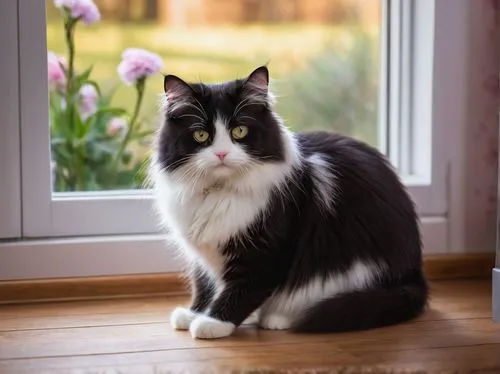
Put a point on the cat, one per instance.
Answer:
(307, 232)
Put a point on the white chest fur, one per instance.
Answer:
(202, 224)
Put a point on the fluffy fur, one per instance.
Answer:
(311, 231)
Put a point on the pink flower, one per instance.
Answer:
(116, 125)
(138, 63)
(85, 10)
(57, 77)
(88, 97)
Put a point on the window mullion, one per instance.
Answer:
(400, 68)
(394, 79)
(405, 124)
(384, 74)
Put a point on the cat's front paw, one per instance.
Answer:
(275, 321)
(181, 318)
(204, 327)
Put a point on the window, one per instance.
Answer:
(316, 49)
(412, 142)
(370, 69)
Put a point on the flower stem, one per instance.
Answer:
(80, 182)
(140, 86)
(69, 27)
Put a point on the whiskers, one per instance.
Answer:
(245, 168)
(180, 161)
(243, 118)
(243, 104)
(189, 176)
(169, 106)
(192, 175)
(184, 173)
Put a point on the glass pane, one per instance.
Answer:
(323, 56)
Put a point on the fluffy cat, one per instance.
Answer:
(311, 232)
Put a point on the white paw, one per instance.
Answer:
(204, 327)
(181, 318)
(252, 319)
(275, 322)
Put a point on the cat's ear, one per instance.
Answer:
(175, 87)
(258, 80)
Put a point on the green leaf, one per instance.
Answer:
(63, 68)
(84, 76)
(95, 137)
(126, 157)
(126, 179)
(62, 156)
(116, 112)
(55, 141)
(80, 127)
(142, 134)
(104, 147)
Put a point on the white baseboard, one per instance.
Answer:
(121, 255)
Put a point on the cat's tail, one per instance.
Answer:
(366, 309)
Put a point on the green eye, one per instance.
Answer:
(201, 136)
(239, 132)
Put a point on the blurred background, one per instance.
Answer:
(323, 55)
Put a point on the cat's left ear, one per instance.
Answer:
(258, 80)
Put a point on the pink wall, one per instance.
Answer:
(481, 150)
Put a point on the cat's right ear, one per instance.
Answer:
(175, 87)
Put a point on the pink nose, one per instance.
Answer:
(221, 154)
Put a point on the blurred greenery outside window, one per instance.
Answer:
(323, 56)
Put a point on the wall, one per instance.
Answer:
(481, 137)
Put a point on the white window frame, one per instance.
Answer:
(10, 168)
(412, 103)
(44, 214)
(117, 233)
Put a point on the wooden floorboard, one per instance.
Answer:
(134, 336)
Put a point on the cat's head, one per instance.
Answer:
(219, 132)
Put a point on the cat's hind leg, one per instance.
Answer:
(276, 313)
(252, 319)
(275, 321)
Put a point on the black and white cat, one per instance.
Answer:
(311, 232)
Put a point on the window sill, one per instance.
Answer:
(126, 254)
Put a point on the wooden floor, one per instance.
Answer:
(134, 336)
